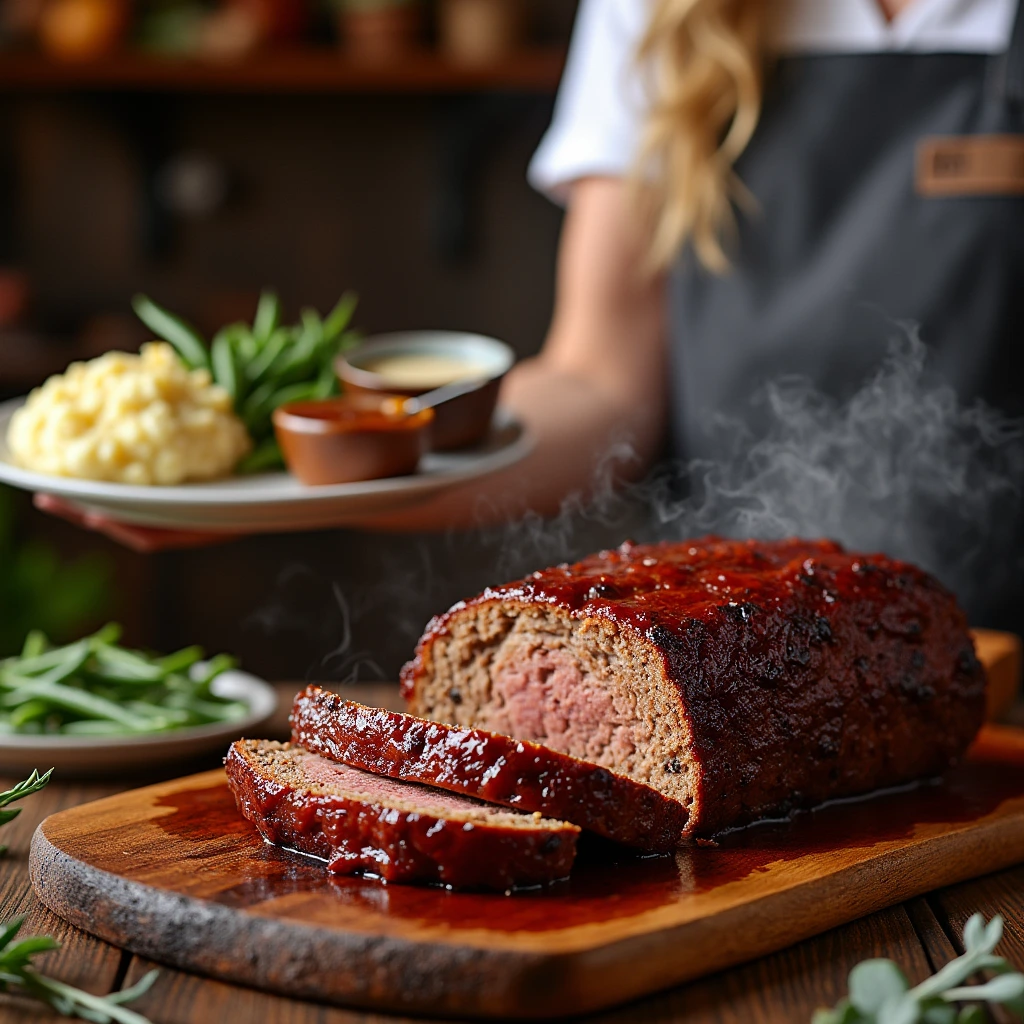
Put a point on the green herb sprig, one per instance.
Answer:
(93, 687)
(18, 975)
(264, 364)
(880, 993)
(26, 787)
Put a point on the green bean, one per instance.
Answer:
(109, 634)
(300, 362)
(326, 358)
(256, 364)
(172, 329)
(300, 367)
(252, 411)
(268, 316)
(205, 710)
(266, 455)
(47, 662)
(115, 664)
(218, 712)
(277, 343)
(214, 667)
(222, 359)
(180, 660)
(244, 350)
(326, 383)
(30, 711)
(79, 701)
(262, 414)
(158, 714)
(35, 644)
(244, 344)
(117, 690)
(70, 659)
(339, 318)
(311, 322)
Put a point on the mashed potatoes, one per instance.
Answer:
(141, 419)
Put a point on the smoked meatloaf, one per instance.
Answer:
(400, 831)
(486, 766)
(743, 679)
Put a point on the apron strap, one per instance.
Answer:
(1013, 74)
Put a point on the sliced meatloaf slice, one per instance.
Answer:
(487, 766)
(742, 679)
(400, 831)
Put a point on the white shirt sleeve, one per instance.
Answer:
(599, 110)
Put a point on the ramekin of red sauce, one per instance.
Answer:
(351, 438)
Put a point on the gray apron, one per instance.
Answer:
(863, 223)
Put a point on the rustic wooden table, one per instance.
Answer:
(921, 935)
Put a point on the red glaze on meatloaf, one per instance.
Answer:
(487, 766)
(399, 831)
(744, 679)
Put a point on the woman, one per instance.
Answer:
(755, 189)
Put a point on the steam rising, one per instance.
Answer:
(316, 608)
(900, 467)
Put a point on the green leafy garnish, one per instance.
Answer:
(27, 787)
(262, 365)
(18, 975)
(879, 992)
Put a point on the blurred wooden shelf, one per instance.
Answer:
(310, 71)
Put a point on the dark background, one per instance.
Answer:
(417, 200)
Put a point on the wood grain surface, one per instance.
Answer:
(173, 873)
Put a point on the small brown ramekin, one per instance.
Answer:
(343, 440)
(461, 421)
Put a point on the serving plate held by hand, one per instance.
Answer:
(102, 755)
(272, 502)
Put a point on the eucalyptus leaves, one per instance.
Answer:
(881, 994)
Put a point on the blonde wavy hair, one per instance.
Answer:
(703, 67)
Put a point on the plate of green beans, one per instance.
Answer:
(93, 706)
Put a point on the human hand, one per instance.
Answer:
(144, 539)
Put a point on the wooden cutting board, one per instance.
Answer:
(173, 873)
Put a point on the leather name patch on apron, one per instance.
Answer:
(971, 165)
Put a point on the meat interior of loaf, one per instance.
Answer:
(580, 686)
(325, 776)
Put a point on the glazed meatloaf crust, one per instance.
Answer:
(487, 766)
(399, 831)
(743, 679)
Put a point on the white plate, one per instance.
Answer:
(99, 755)
(271, 502)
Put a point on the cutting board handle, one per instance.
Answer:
(1000, 653)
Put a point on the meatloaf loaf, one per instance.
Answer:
(486, 766)
(399, 831)
(743, 679)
